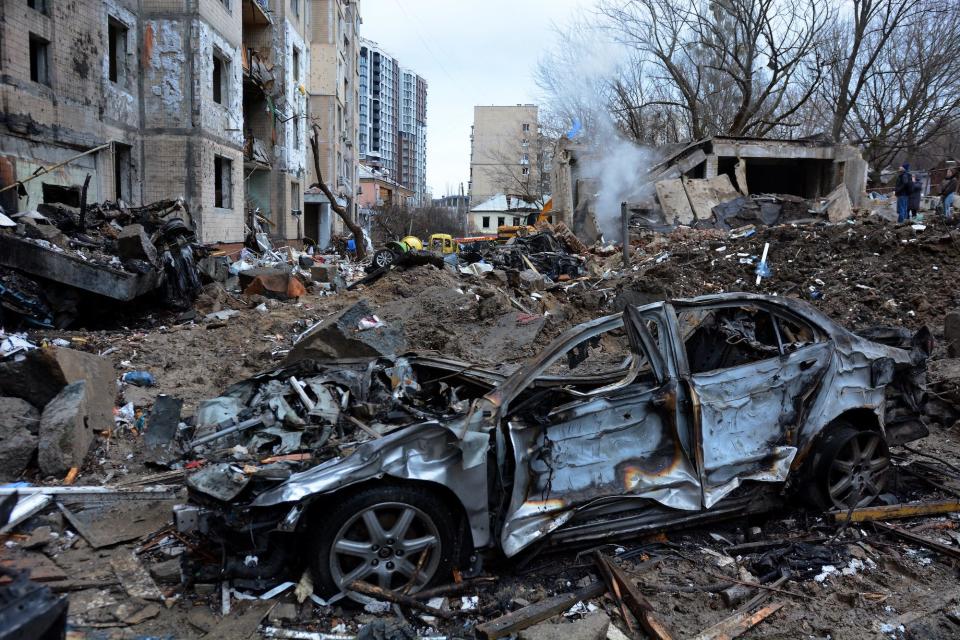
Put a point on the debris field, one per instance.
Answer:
(110, 430)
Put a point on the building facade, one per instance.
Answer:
(393, 120)
(207, 100)
(506, 153)
(334, 91)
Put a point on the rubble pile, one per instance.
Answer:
(57, 253)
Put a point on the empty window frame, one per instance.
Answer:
(122, 169)
(294, 197)
(525, 171)
(295, 63)
(221, 77)
(726, 337)
(117, 49)
(222, 182)
(295, 7)
(39, 60)
(38, 5)
(485, 222)
(526, 127)
(501, 221)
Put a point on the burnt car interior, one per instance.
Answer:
(730, 336)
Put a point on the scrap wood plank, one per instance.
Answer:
(912, 537)
(134, 578)
(538, 611)
(639, 605)
(894, 511)
(42, 568)
(738, 624)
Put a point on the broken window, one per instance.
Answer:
(516, 221)
(526, 127)
(221, 78)
(295, 63)
(39, 5)
(222, 182)
(794, 335)
(117, 49)
(122, 183)
(226, 4)
(501, 221)
(725, 337)
(525, 171)
(295, 198)
(485, 222)
(39, 60)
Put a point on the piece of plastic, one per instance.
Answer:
(139, 378)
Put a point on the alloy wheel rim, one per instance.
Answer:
(858, 471)
(391, 544)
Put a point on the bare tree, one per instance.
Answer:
(343, 212)
(392, 222)
(912, 93)
(854, 47)
(731, 66)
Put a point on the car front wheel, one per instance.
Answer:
(395, 537)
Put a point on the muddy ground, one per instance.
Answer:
(863, 274)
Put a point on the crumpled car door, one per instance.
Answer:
(749, 417)
(620, 442)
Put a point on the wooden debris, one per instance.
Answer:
(924, 542)
(761, 597)
(738, 624)
(454, 588)
(368, 589)
(41, 568)
(71, 475)
(638, 604)
(895, 511)
(538, 612)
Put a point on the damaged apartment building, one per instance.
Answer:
(205, 100)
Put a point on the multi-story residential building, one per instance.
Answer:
(393, 120)
(335, 100)
(201, 99)
(507, 154)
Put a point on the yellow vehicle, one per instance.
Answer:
(443, 243)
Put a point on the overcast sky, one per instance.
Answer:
(470, 53)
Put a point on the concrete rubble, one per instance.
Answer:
(98, 464)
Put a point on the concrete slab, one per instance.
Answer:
(673, 200)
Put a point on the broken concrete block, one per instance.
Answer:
(166, 572)
(592, 627)
(247, 277)
(673, 201)
(214, 269)
(838, 204)
(704, 194)
(41, 375)
(341, 337)
(17, 413)
(284, 612)
(133, 242)
(66, 433)
(17, 446)
(497, 276)
(324, 273)
(951, 333)
(530, 280)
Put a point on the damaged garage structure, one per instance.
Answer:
(691, 179)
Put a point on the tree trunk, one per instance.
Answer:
(344, 213)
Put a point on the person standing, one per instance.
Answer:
(902, 190)
(916, 193)
(948, 190)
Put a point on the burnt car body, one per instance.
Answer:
(668, 414)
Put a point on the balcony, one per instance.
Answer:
(255, 13)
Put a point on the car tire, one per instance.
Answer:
(383, 258)
(345, 544)
(850, 467)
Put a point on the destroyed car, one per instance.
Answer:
(394, 470)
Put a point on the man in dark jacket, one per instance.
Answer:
(948, 190)
(916, 195)
(903, 189)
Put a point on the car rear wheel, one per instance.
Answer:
(853, 467)
(394, 537)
